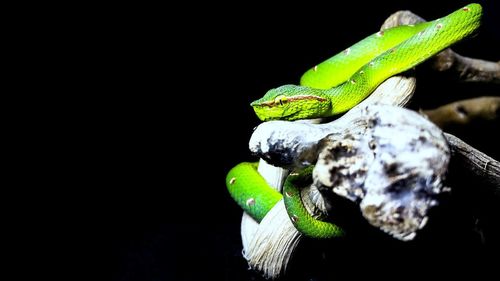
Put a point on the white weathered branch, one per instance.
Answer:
(389, 160)
(388, 151)
(394, 168)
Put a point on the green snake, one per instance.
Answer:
(333, 87)
(251, 191)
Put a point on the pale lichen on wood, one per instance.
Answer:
(395, 180)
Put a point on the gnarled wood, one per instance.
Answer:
(297, 144)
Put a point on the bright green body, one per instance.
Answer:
(343, 81)
(335, 86)
(300, 217)
(242, 182)
(337, 69)
(251, 191)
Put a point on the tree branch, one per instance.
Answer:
(481, 165)
(465, 111)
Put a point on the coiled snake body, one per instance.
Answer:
(335, 86)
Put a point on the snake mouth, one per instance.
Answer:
(272, 103)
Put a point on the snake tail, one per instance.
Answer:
(300, 217)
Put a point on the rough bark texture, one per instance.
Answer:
(481, 165)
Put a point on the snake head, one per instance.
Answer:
(291, 102)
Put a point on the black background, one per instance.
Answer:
(166, 213)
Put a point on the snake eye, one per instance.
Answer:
(281, 99)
